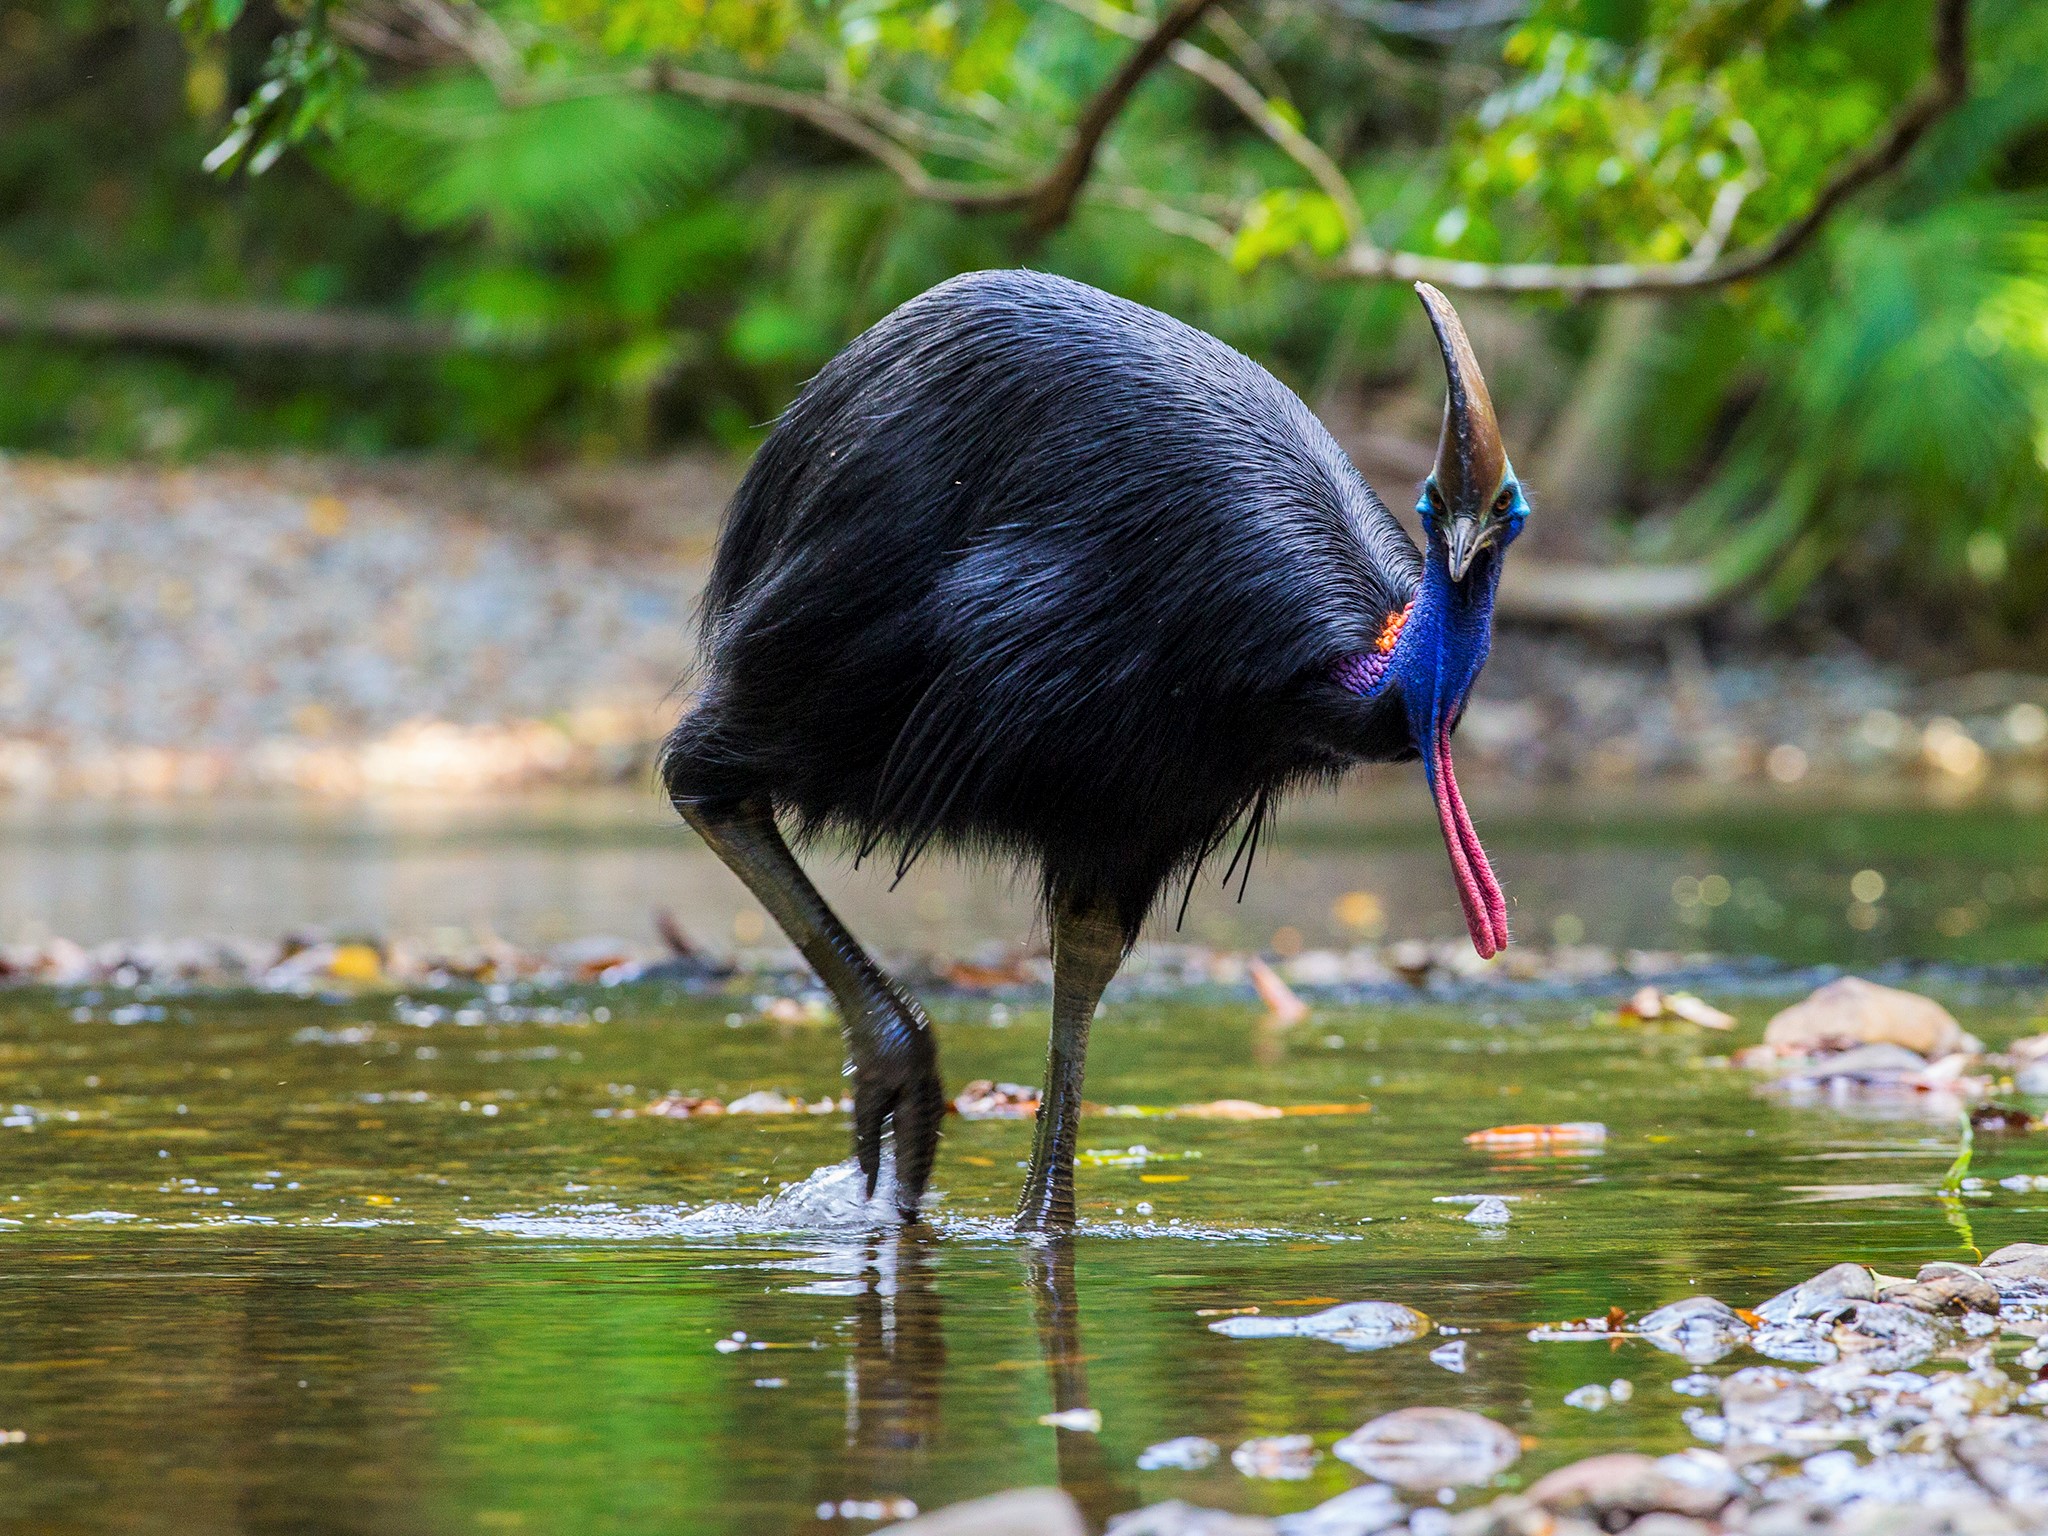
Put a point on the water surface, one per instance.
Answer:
(300, 1264)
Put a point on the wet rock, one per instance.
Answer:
(2019, 1271)
(1945, 1289)
(1356, 1325)
(1592, 1397)
(1851, 1012)
(1630, 1484)
(1188, 1453)
(1825, 1294)
(1176, 1518)
(1802, 1343)
(1019, 1512)
(1769, 1404)
(1081, 1421)
(1450, 1356)
(1885, 1336)
(1490, 1212)
(1355, 1512)
(1281, 1458)
(1957, 1397)
(1430, 1448)
(1699, 1329)
(2010, 1457)
(1880, 1066)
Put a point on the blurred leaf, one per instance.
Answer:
(583, 170)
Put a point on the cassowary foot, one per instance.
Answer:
(1048, 1201)
(896, 1087)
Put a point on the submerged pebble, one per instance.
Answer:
(1355, 1512)
(1279, 1458)
(1491, 1212)
(1356, 1325)
(1187, 1453)
(1430, 1448)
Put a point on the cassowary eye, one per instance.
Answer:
(1504, 500)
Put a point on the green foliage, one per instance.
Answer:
(672, 268)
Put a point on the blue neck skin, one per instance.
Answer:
(1449, 631)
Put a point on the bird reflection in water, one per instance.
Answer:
(897, 1366)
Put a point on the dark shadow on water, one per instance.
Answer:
(1084, 1467)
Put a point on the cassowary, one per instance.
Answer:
(1031, 571)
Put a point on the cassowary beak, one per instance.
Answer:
(1471, 464)
(1461, 544)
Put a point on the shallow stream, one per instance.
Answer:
(358, 1264)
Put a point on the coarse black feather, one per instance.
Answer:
(1033, 571)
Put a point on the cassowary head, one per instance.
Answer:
(1471, 502)
(1472, 508)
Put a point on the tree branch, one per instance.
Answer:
(253, 327)
(1707, 266)
(1249, 100)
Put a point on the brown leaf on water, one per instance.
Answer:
(986, 1099)
(1283, 1005)
(1650, 1003)
(1360, 1108)
(1570, 1133)
(684, 1106)
(1228, 1109)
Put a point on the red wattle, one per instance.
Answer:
(1486, 910)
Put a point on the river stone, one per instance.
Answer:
(1356, 1325)
(1188, 1453)
(1884, 1336)
(1699, 1328)
(1826, 1292)
(2010, 1457)
(1281, 1458)
(1945, 1289)
(1852, 1011)
(1765, 1401)
(1355, 1512)
(1177, 1518)
(1803, 1343)
(2019, 1270)
(1020, 1512)
(1630, 1483)
(1430, 1448)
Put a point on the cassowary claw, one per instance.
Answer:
(896, 1086)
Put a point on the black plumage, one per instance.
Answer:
(1032, 570)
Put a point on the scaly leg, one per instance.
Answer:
(891, 1055)
(1087, 947)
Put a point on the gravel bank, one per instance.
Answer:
(342, 628)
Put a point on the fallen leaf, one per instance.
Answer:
(1162, 1178)
(986, 1099)
(1228, 1109)
(1570, 1133)
(1697, 1011)
(355, 962)
(1283, 1005)
(1360, 1108)
(765, 1101)
(684, 1106)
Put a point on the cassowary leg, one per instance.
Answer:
(1087, 947)
(891, 1055)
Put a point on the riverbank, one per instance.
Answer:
(347, 629)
